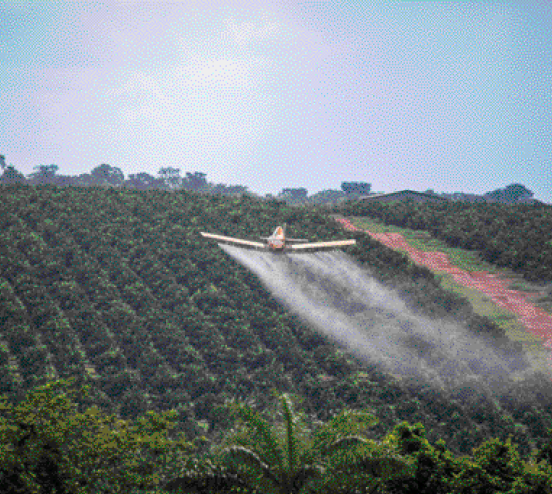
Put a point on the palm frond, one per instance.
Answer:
(368, 474)
(348, 443)
(305, 474)
(264, 442)
(289, 422)
(250, 459)
(354, 456)
(345, 424)
(219, 481)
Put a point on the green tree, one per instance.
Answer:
(170, 177)
(143, 181)
(326, 196)
(108, 175)
(434, 466)
(494, 468)
(360, 188)
(228, 189)
(44, 174)
(510, 194)
(12, 176)
(289, 457)
(195, 181)
(47, 446)
(294, 195)
(536, 479)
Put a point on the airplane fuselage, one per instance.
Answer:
(277, 241)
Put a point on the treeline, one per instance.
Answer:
(104, 175)
(168, 178)
(48, 444)
(515, 236)
(116, 288)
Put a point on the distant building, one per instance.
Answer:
(403, 195)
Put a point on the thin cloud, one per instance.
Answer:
(221, 72)
(245, 33)
(344, 88)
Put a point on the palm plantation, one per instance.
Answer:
(288, 457)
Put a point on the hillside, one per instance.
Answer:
(517, 236)
(116, 288)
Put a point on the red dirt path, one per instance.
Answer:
(534, 319)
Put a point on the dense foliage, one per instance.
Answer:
(116, 288)
(286, 455)
(48, 446)
(358, 188)
(517, 236)
(510, 194)
(282, 453)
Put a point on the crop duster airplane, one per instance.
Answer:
(278, 242)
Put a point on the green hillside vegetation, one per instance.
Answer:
(116, 289)
(516, 236)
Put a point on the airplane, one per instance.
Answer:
(278, 242)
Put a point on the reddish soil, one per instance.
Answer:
(535, 320)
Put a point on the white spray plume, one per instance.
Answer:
(339, 298)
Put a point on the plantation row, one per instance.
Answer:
(516, 236)
(117, 289)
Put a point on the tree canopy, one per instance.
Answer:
(360, 188)
(47, 445)
(105, 174)
(510, 194)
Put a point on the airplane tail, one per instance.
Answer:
(284, 227)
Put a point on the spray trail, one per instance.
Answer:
(340, 299)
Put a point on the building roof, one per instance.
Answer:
(402, 192)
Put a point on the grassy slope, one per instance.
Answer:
(470, 261)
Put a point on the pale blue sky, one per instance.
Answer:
(450, 96)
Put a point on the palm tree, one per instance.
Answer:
(288, 458)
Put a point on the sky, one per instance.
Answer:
(448, 96)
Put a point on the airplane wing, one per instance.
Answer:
(322, 245)
(222, 238)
